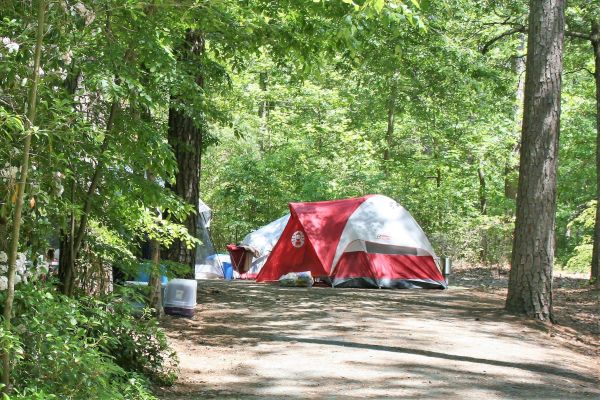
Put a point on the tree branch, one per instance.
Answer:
(579, 70)
(517, 29)
(523, 29)
(579, 35)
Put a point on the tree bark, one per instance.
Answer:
(391, 114)
(595, 270)
(482, 191)
(185, 138)
(530, 281)
(263, 113)
(14, 243)
(483, 210)
(4, 222)
(155, 283)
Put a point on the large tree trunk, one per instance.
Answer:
(185, 137)
(595, 273)
(530, 281)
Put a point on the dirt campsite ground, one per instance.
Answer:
(255, 341)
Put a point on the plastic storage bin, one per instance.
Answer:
(180, 297)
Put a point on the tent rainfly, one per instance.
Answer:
(368, 242)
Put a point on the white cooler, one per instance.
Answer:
(180, 297)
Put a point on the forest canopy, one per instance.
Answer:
(119, 116)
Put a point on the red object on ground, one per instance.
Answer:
(241, 260)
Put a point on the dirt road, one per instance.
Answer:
(253, 341)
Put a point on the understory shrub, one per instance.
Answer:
(487, 240)
(578, 242)
(86, 348)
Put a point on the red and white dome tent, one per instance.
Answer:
(369, 242)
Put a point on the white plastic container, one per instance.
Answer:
(180, 297)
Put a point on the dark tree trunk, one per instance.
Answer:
(391, 114)
(482, 191)
(4, 222)
(483, 210)
(66, 263)
(595, 272)
(530, 281)
(185, 138)
(263, 113)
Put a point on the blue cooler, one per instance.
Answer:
(227, 271)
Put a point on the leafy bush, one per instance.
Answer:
(487, 239)
(580, 234)
(86, 348)
(581, 258)
(137, 344)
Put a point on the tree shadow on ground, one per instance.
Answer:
(268, 322)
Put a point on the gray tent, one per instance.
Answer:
(263, 240)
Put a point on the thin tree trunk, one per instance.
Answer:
(66, 264)
(14, 244)
(482, 191)
(76, 236)
(530, 281)
(595, 271)
(4, 224)
(155, 295)
(98, 171)
(263, 113)
(483, 210)
(67, 261)
(391, 114)
(155, 280)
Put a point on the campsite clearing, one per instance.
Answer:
(250, 340)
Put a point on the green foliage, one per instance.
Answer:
(296, 104)
(581, 258)
(86, 348)
(580, 233)
(326, 136)
(486, 239)
(137, 344)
